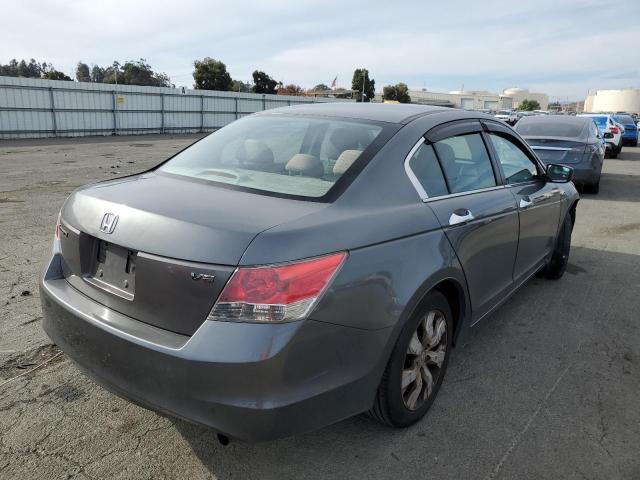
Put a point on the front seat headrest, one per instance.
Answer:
(254, 154)
(345, 160)
(305, 165)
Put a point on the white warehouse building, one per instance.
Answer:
(623, 100)
(518, 95)
(477, 99)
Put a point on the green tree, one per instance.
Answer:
(529, 105)
(32, 69)
(137, 72)
(321, 87)
(240, 86)
(48, 72)
(56, 75)
(291, 89)
(211, 74)
(82, 72)
(263, 83)
(398, 92)
(97, 74)
(362, 83)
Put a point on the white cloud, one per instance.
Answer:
(564, 47)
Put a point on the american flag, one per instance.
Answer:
(333, 84)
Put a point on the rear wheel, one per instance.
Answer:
(613, 153)
(560, 256)
(417, 365)
(593, 187)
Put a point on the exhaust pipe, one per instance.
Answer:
(223, 439)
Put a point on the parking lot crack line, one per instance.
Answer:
(521, 433)
(31, 370)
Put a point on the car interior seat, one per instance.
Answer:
(255, 155)
(305, 165)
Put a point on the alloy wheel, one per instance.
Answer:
(423, 360)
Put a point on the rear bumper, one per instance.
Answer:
(585, 174)
(249, 381)
(585, 177)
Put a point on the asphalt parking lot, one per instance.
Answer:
(547, 388)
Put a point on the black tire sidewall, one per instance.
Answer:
(400, 415)
(558, 264)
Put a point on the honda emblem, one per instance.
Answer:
(109, 222)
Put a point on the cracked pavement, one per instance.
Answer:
(547, 388)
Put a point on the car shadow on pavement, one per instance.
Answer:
(629, 154)
(545, 385)
(617, 187)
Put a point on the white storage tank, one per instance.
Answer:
(623, 100)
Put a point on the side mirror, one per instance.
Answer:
(559, 173)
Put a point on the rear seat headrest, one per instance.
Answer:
(305, 165)
(345, 160)
(255, 154)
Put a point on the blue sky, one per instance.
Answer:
(560, 47)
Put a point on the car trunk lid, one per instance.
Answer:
(564, 150)
(172, 247)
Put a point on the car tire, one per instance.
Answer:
(634, 143)
(593, 187)
(560, 256)
(613, 153)
(417, 364)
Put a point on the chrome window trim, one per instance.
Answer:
(460, 194)
(412, 177)
(420, 190)
(557, 149)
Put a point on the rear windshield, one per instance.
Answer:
(625, 119)
(550, 127)
(280, 154)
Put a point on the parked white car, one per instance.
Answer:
(507, 116)
(610, 130)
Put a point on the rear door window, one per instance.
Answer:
(427, 171)
(465, 163)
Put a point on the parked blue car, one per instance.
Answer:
(630, 134)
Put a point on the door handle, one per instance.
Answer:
(460, 216)
(525, 202)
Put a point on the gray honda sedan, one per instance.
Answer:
(303, 265)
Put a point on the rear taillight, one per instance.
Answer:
(591, 148)
(276, 293)
(614, 130)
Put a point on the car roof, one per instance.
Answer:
(383, 112)
(569, 119)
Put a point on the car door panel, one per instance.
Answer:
(539, 211)
(537, 199)
(486, 246)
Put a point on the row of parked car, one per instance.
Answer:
(581, 141)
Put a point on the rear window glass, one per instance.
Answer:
(466, 163)
(600, 121)
(426, 169)
(625, 119)
(550, 127)
(287, 155)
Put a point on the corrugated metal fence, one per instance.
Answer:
(32, 108)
